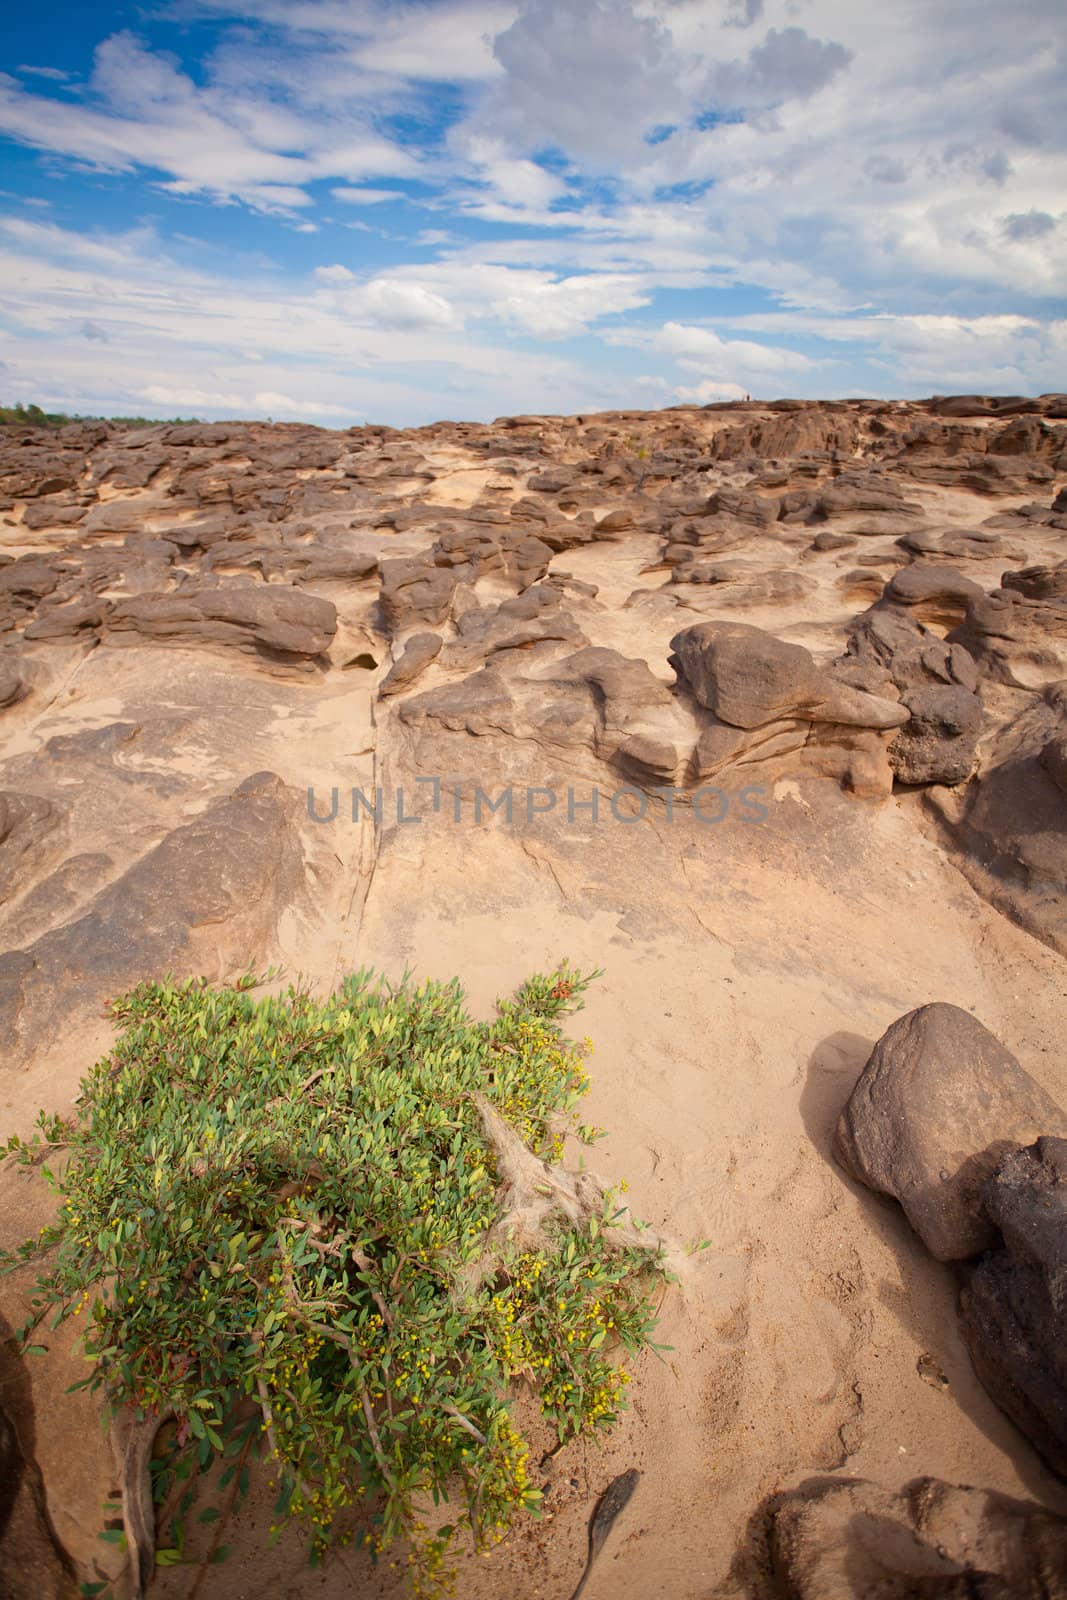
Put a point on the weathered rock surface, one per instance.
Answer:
(1013, 1308)
(493, 606)
(848, 1539)
(1010, 825)
(234, 868)
(938, 1104)
(273, 619)
(418, 652)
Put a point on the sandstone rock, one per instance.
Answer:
(1039, 583)
(12, 681)
(890, 652)
(31, 828)
(33, 1566)
(74, 619)
(938, 745)
(848, 1539)
(230, 871)
(416, 656)
(745, 676)
(1013, 1308)
(937, 1105)
(1010, 826)
(933, 594)
(414, 591)
(269, 620)
(1017, 640)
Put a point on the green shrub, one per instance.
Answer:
(337, 1217)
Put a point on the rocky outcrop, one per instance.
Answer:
(12, 681)
(1013, 1308)
(1017, 640)
(939, 1102)
(31, 829)
(418, 652)
(33, 1566)
(782, 701)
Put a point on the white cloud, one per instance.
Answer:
(53, 74)
(144, 112)
(726, 368)
(366, 197)
(394, 303)
(335, 274)
(392, 349)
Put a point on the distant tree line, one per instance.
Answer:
(32, 416)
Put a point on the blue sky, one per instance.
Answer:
(350, 210)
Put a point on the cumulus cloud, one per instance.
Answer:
(393, 303)
(142, 111)
(589, 79)
(726, 367)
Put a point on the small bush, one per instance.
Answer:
(339, 1213)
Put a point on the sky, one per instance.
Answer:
(399, 211)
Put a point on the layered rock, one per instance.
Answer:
(271, 620)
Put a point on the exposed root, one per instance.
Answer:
(531, 1192)
(132, 1440)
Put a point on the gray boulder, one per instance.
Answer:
(1013, 1309)
(745, 676)
(936, 1107)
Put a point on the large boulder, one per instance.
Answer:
(415, 591)
(745, 676)
(12, 681)
(890, 652)
(939, 1102)
(939, 742)
(1013, 1310)
(849, 1539)
(1017, 639)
